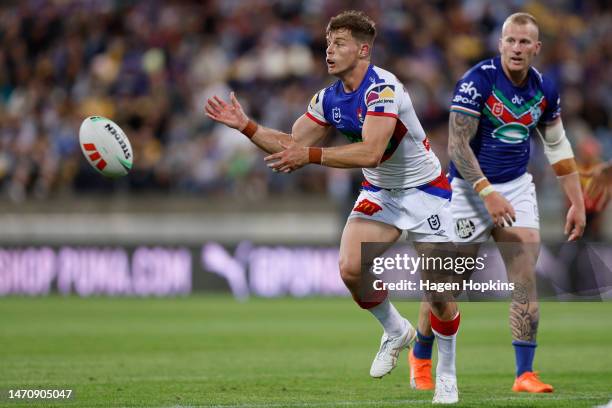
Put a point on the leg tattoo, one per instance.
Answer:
(524, 314)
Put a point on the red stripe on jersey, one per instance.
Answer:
(440, 182)
(315, 120)
(398, 134)
(391, 115)
(507, 117)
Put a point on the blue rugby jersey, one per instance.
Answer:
(408, 160)
(508, 116)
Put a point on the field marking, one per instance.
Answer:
(384, 403)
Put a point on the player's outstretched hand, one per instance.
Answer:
(291, 158)
(575, 223)
(231, 115)
(500, 209)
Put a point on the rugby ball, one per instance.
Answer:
(105, 146)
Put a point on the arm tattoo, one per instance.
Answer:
(524, 315)
(462, 128)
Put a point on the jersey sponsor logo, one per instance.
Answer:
(380, 95)
(465, 100)
(464, 228)
(336, 114)
(434, 222)
(468, 88)
(367, 207)
(485, 67)
(518, 100)
(511, 133)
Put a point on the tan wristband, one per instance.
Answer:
(565, 167)
(481, 184)
(314, 155)
(250, 129)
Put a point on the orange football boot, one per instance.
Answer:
(529, 382)
(420, 372)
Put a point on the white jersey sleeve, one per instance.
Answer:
(382, 99)
(315, 109)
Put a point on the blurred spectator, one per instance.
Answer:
(149, 65)
(588, 157)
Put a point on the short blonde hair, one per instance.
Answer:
(522, 19)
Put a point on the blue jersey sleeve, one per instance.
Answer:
(553, 102)
(471, 91)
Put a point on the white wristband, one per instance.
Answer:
(486, 191)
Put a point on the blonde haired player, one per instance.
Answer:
(497, 107)
(405, 188)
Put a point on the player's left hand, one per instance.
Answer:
(575, 223)
(291, 158)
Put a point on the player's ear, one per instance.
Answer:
(364, 50)
(538, 47)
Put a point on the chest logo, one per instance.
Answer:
(536, 113)
(336, 114)
(518, 100)
(498, 109)
(512, 133)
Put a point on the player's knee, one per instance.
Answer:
(349, 271)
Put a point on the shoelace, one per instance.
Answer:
(448, 386)
(383, 348)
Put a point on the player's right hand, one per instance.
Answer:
(500, 209)
(231, 115)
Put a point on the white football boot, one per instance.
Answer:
(390, 347)
(446, 390)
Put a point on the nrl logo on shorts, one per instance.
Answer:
(464, 228)
(336, 114)
(434, 222)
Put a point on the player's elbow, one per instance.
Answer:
(372, 160)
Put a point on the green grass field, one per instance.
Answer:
(213, 351)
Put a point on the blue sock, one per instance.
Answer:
(423, 346)
(524, 351)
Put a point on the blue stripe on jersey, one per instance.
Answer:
(369, 187)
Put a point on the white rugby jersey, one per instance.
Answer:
(408, 160)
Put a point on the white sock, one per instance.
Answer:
(446, 355)
(389, 317)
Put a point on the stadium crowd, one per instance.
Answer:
(150, 65)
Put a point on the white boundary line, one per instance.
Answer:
(386, 403)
